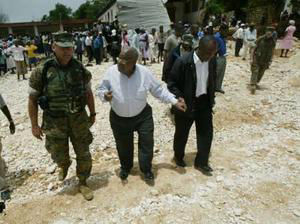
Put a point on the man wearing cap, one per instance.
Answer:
(182, 49)
(261, 58)
(239, 38)
(62, 88)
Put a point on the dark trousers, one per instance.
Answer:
(202, 116)
(79, 56)
(238, 47)
(123, 129)
(97, 55)
(89, 51)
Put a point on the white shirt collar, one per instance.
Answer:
(197, 59)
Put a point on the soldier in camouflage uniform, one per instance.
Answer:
(12, 129)
(62, 88)
(261, 58)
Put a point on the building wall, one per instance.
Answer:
(35, 28)
(110, 14)
(186, 11)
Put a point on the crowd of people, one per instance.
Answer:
(194, 68)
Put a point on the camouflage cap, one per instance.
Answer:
(187, 39)
(63, 39)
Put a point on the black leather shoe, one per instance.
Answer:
(179, 162)
(149, 175)
(220, 91)
(205, 169)
(123, 174)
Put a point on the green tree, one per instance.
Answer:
(61, 12)
(3, 17)
(90, 9)
(214, 7)
(45, 18)
(82, 11)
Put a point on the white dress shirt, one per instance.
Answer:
(17, 52)
(239, 34)
(250, 36)
(202, 75)
(88, 41)
(130, 94)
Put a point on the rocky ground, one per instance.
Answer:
(255, 155)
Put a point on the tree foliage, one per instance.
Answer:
(60, 12)
(3, 17)
(214, 7)
(90, 9)
(82, 11)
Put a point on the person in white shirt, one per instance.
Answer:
(89, 49)
(18, 54)
(126, 86)
(249, 40)
(239, 38)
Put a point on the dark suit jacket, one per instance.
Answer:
(168, 64)
(183, 81)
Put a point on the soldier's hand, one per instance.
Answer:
(37, 132)
(12, 127)
(180, 105)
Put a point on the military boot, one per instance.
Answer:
(63, 172)
(86, 192)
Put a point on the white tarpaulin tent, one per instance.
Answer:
(143, 13)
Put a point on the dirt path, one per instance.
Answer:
(256, 153)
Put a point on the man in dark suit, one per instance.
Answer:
(193, 78)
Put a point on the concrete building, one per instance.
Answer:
(136, 13)
(35, 28)
(109, 12)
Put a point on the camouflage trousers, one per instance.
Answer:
(74, 127)
(257, 73)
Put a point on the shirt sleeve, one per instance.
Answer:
(159, 92)
(167, 45)
(2, 102)
(35, 82)
(104, 86)
(87, 75)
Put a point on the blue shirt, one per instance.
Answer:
(222, 50)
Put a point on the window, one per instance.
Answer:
(195, 5)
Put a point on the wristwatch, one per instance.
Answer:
(92, 114)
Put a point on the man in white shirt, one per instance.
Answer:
(249, 40)
(126, 86)
(89, 49)
(18, 54)
(239, 38)
(193, 78)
